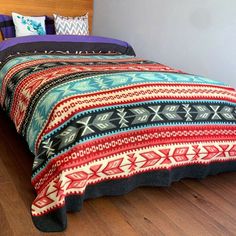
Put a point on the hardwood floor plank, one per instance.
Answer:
(211, 204)
(99, 217)
(135, 217)
(4, 176)
(152, 214)
(112, 218)
(87, 221)
(15, 210)
(213, 193)
(5, 229)
(177, 209)
(212, 225)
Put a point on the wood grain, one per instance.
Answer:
(48, 7)
(189, 207)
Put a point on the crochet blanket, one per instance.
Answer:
(101, 121)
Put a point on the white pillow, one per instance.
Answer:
(71, 25)
(27, 25)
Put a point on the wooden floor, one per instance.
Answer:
(189, 207)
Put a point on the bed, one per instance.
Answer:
(101, 121)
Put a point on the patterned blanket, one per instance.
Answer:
(107, 122)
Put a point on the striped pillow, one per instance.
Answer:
(71, 25)
(7, 26)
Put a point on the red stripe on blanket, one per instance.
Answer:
(112, 145)
(176, 91)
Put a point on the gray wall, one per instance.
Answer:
(197, 36)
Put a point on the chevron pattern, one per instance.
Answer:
(71, 25)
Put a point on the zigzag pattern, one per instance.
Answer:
(71, 25)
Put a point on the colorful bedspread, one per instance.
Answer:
(101, 121)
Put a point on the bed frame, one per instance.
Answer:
(48, 7)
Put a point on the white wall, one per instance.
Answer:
(197, 36)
